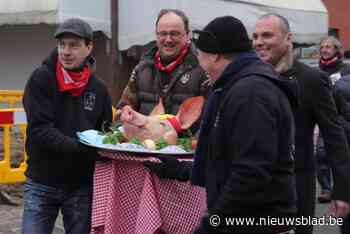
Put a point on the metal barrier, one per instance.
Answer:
(9, 118)
(11, 97)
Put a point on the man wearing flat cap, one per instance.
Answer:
(244, 157)
(62, 97)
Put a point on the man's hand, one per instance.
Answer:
(339, 208)
(170, 168)
(166, 169)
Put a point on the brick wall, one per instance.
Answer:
(339, 18)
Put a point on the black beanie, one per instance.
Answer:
(223, 35)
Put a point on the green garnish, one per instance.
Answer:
(185, 143)
(161, 143)
(135, 141)
(113, 137)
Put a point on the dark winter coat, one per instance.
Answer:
(338, 67)
(55, 157)
(342, 99)
(335, 72)
(316, 105)
(246, 143)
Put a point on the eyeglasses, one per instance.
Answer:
(175, 35)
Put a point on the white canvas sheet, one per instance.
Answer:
(28, 11)
(96, 12)
(308, 19)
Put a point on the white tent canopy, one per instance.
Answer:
(308, 19)
(28, 12)
(96, 12)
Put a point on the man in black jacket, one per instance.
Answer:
(342, 99)
(331, 62)
(62, 96)
(331, 58)
(272, 41)
(244, 154)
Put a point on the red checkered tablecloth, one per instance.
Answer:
(128, 198)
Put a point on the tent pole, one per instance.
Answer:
(114, 47)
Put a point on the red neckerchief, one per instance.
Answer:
(73, 82)
(329, 61)
(173, 65)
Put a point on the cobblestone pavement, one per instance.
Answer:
(10, 220)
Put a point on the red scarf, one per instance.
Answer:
(330, 61)
(73, 82)
(173, 65)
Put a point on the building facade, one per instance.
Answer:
(339, 23)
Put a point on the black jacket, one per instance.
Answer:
(338, 67)
(248, 144)
(334, 72)
(316, 105)
(56, 158)
(342, 96)
(342, 99)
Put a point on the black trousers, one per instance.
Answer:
(306, 190)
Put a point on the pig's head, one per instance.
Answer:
(157, 125)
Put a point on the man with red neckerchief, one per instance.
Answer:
(62, 96)
(331, 58)
(331, 62)
(169, 70)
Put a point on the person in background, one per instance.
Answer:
(62, 97)
(331, 58)
(272, 40)
(330, 62)
(169, 70)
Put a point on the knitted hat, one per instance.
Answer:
(223, 35)
(75, 26)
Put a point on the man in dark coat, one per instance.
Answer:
(331, 58)
(342, 99)
(331, 62)
(62, 96)
(244, 155)
(272, 41)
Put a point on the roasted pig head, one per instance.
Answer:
(159, 125)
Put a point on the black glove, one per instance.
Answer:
(170, 168)
(86, 149)
(92, 151)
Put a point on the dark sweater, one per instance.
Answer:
(56, 158)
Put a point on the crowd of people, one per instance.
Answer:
(255, 155)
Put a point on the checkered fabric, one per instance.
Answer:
(130, 199)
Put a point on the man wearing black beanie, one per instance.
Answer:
(244, 154)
